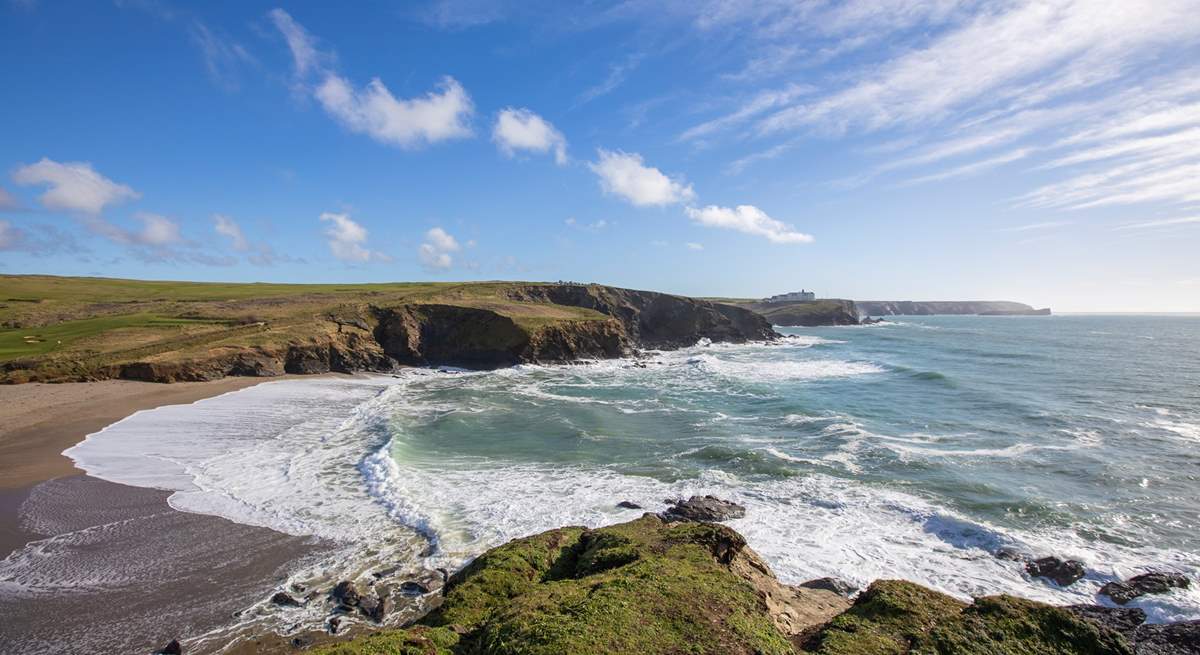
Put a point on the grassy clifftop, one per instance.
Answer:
(68, 329)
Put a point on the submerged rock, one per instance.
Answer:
(836, 585)
(1140, 585)
(346, 593)
(1011, 554)
(704, 508)
(1168, 638)
(1064, 573)
(284, 599)
(627, 504)
(172, 648)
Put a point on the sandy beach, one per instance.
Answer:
(39, 421)
(117, 569)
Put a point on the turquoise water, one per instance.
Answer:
(912, 449)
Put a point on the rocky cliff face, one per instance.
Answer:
(811, 313)
(914, 308)
(656, 320)
(380, 338)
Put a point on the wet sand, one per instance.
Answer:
(93, 566)
(39, 421)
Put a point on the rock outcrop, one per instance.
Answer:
(1063, 572)
(1140, 585)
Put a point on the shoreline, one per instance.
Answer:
(38, 420)
(80, 521)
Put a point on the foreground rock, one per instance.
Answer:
(647, 586)
(1140, 585)
(654, 586)
(1064, 573)
(704, 508)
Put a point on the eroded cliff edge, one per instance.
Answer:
(490, 325)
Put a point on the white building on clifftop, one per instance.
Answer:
(794, 296)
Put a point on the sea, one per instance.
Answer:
(914, 449)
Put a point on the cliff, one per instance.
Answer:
(69, 329)
(809, 313)
(928, 308)
(660, 585)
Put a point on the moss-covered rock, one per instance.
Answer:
(894, 617)
(646, 586)
(650, 586)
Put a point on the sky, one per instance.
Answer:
(1043, 151)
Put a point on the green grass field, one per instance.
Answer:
(44, 319)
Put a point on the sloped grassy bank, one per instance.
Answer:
(658, 586)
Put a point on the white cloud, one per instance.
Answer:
(625, 175)
(435, 252)
(692, 245)
(7, 201)
(227, 227)
(222, 55)
(748, 219)
(9, 236)
(305, 55)
(74, 186)
(1063, 45)
(594, 226)
(759, 104)
(347, 239)
(374, 111)
(521, 129)
(972, 168)
(157, 230)
(615, 78)
(1165, 222)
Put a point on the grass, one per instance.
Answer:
(49, 323)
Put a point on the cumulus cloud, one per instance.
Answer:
(521, 129)
(227, 227)
(6, 200)
(347, 239)
(372, 110)
(74, 186)
(625, 175)
(436, 252)
(157, 231)
(748, 219)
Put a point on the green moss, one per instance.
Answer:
(895, 618)
(413, 641)
(638, 587)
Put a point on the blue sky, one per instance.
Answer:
(1045, 151)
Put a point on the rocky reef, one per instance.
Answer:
(665, 583)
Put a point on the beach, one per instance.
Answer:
(139, 572)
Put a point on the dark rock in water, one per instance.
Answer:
(285, 600)
(1063, 572)
(346, 593)
(377, 609)
(301, 642)
(172, 648)
(335, 624)
(626, 504)
(1140, 585)
(1121, 620)
(1011, 554)
(836, 585)
(1181, 638)
(414, 588)
(704, 508)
